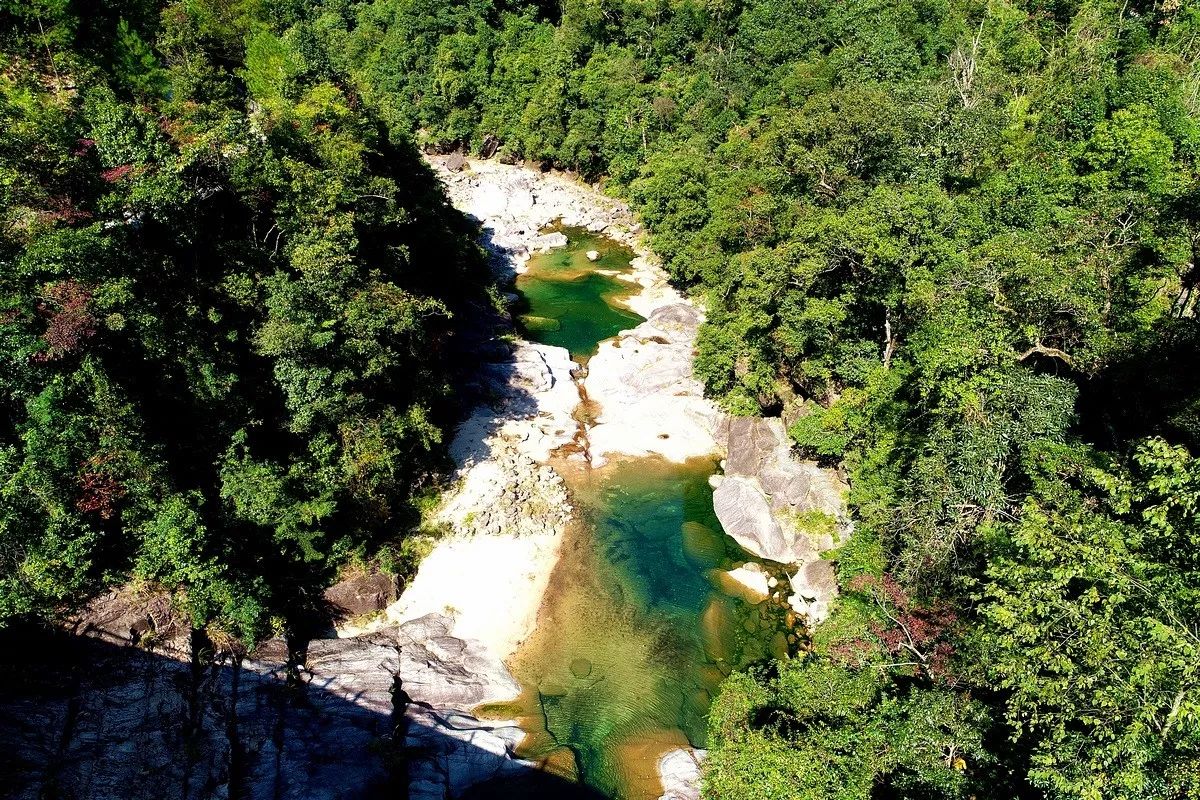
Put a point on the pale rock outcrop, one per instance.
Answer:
(650, 401)
(506, 518)
(680, 774)
(440, 678)
(532, 400)
(514, 205)
(761, 501)
(813, 588)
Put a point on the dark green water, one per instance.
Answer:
(637, 632)
(567, 302)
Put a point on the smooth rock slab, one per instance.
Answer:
(746, 515)
(650, 401)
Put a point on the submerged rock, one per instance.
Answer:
(753, 579)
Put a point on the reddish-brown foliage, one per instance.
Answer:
(63, 209)
(853, 652)
(116, 173)
(69, 322)
(917, 635)
(99, 494)
(83, 147)
(100, 490)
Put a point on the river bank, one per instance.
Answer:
(489, 576)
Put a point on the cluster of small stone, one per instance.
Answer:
(525, 499)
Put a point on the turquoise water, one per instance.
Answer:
(566, 302)
(638, 630)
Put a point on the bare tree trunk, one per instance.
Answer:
(962, 68)
(889, 341)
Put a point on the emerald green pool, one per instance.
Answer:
(638, 629)
(572, 302)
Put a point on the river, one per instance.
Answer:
(640, 622)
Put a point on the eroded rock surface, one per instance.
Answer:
(783, 509)
(650, 401)
(88, 719)
(441, 676)
(439, 670)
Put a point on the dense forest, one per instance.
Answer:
(227, 306)
(955, 241)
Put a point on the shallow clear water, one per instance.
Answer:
(569, 301)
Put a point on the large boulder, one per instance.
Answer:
(781, 508)
(813, 587)
(746, 515)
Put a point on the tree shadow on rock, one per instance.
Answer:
(86, 719)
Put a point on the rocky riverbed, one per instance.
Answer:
(642, 399)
